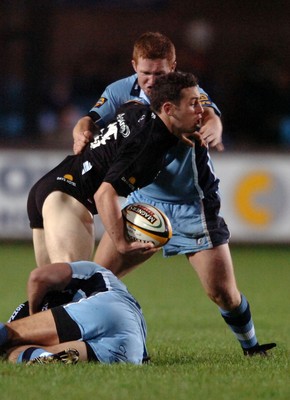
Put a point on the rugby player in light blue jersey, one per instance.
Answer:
(187, 190)
(97, 319)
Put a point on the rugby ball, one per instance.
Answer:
(146, 223)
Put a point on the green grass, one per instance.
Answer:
(194, 355)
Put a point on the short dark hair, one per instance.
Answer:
(168, 87)
(154, 45)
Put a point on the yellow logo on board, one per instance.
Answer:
(248, 196)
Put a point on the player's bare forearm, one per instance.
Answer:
(211, 129)
(108, 206)
(189, 139)
(109, 210)
(83, 133)
(44, 279)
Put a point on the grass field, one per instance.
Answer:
(194, 355)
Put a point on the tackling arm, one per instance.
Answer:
(44, 279)
(211, 129)
(83, 133)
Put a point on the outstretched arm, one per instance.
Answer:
(45, 279)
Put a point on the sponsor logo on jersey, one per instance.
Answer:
(124, 128)
(68, 178)
(106, 134)
(116, 356)
(141, 118)
(205, 100)
(130, 182)
(45, 307)
(100, 102)
(16, 312)
(87, 166)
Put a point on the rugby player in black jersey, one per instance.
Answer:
(125, 156)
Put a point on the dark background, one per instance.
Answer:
(58, 56)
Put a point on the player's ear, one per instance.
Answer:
(168, 108)
(134, 65)
(173, 67)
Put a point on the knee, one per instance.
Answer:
(225, 298)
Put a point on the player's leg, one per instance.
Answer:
(39, 328)
(68, 353)
(216, 273)
(40, 250)
(120, 264)
(68, 228)
(36, 223)
(215, 270)
(47, 330)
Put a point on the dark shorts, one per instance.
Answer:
(64, 178)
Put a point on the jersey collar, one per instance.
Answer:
(138, 92)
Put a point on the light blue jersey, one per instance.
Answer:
(116, 94)
(109, 317)
(127, 89)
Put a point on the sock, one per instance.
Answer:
(31, 353)
(240, 322)
(3, 334)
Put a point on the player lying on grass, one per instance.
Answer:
(128, 154)
(101, 320)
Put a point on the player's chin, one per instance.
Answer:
(191, 130)
(147, 91)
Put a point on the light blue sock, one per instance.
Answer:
(31, 353)
(241, 323)
(3, 334)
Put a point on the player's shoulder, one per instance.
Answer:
(91, 278)
(85, 269)
(133, 113)
(206, 100)
(132, 106)
(123, 83)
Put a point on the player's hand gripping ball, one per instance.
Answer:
(146, 223)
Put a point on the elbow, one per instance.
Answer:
(36, 276)
(105, 190)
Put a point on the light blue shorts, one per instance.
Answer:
(113, 328)
(194, 227)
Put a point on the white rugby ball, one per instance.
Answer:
(146, 223)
